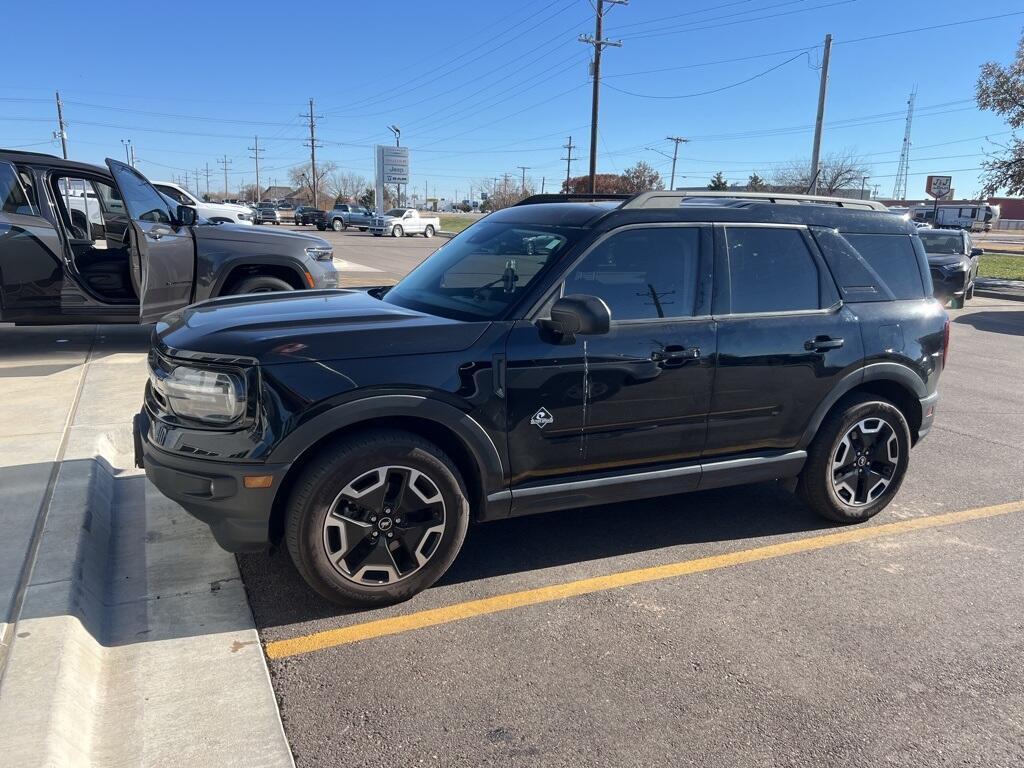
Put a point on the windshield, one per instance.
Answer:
(396, 212)
(480, 273)
(940, 241)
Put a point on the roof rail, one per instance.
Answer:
(574, 197)
(660, 199)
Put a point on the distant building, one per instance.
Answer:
(281, 194)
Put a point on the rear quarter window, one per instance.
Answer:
(894, 260)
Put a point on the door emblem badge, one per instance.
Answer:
(542, 418)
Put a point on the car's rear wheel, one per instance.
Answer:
(258, 284)
(376, 518)
(398, 231)
(857, 461)
(362, 229)
(428, 231)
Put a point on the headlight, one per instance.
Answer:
(951, 269)
(320, 252)
(215, 397)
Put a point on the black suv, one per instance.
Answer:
(556, 354)
(85, 244)
(307, 214)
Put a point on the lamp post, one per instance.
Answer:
(398, 135)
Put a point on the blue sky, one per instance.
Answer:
(480, 88)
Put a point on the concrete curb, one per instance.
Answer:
(135, 644)
(1000, 289)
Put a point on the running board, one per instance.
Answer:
(608, 489)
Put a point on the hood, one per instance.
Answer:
(944, 259)
(302, 326)
(247, 234)
(229, 207)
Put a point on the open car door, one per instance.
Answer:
(162, 249)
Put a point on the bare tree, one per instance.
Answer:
(301, 178)
(250, 192)
(836, 171)
(504, 192)
(344, 185)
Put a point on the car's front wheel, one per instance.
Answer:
(376, 518)
(398, 231)
(258, 284)
(857, 461)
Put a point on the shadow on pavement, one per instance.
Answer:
(279, 596)
(44, 351)
(1011, 323)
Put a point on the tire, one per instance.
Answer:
(969, 289)
(321, 227)
(398, 231)
(337, 225)
(365, 466)
(362, 229)
(277, 223)
(956, 302)
(428, 231)
(378, 234)
(258, 284)
(859, 424)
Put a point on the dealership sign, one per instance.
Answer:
(394, 164)
(938, 186)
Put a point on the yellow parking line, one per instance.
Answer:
(330, 638)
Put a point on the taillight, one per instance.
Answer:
(945, 344)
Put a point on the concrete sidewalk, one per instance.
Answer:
(127, 636)
(1000, 289)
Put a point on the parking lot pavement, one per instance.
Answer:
(898, 645)
(367, 260)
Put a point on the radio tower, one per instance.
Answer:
(899, 191)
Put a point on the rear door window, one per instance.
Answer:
(12, 194)
(771, 269)
(894, 259)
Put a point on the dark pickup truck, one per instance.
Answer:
(307, 214)
(81, 243)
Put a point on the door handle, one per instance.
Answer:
(822, 343)
(157, 232)
(675, 354)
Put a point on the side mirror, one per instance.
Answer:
(977, 251)
(186, 215)
(578, 315)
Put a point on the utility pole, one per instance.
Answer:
(568, 162)
(524, 169)
(198, 188)
(126, 143)
(255, 149)
(312, 149)
(822, 91)
(599, 44)
(61, 127)
(863, 184)
(225, 163)
(543, 181)
(677, 140)
(207, 179)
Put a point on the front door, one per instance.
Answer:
(784, 339)
(636, 396)
(163, 251)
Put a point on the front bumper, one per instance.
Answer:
(948, 285)
(213, 491)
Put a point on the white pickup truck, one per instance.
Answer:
(399, 222)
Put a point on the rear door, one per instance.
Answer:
(163, 251)
(784, 338)
(31, 263)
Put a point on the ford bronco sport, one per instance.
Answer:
(559, 353)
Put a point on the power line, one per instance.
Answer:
(713, 90)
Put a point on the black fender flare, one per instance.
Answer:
(882, 371)
(228, 265)
(473, 436)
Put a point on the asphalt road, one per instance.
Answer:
(903, 649)
(367, 260)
